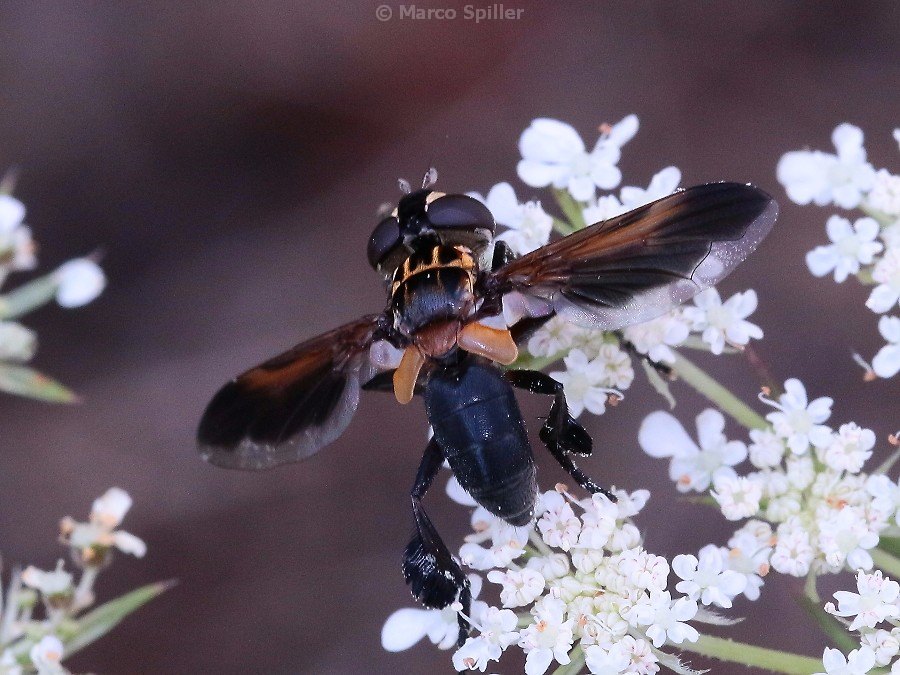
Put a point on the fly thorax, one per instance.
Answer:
(433, 286)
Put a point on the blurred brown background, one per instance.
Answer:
(228, 157)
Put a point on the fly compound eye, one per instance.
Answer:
(384, 239)
(459, 211)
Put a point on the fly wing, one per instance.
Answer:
(291, 406)
(635, 267)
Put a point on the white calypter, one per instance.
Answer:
(554, 154)
(851, 246)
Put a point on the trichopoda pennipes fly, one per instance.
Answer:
(453, 290)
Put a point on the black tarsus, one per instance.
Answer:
(433, 574)
(561, 433)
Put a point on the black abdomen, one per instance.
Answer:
(477, 423)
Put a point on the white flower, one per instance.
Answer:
(80, 281)
(664, 619)
(507, 541)
(707, 579)
(584, 383)
(17, 343)
(859, 662)
(845, 537)
(555, 336)
(598, 521)
(793, 552)
(890, 235)
(885, 495)
(851, 246)
(887, 361)
(849, 448)
(520, 587)
(655, 338)
(16, 245)
(723, 322)
(642, 570)
(558, 525)
(529, 226)
(798, 420)
(617, 369)
(407, 626)
(886, 645)
(46, 656)
(9, 665)
(823, 178)
(553, 153)
(93, 538)
(767, 449)
(897, 136)
(885, 194)
(692, 467)
(887, 275)
(604, 208)
(549, 637)
(662, 184)
(738, 496)
(57, 582)
(497, 633)
(749, 550)
(609, 661)
(875, 602)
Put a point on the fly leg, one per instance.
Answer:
(433, 574)
(562, 435)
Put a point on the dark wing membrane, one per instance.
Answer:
(291, 406)
(635, 267)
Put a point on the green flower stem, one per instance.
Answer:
(570, 208)
(715, 392)
(772, 660)
(887, 562)
(574, 666)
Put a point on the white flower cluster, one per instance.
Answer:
(874, 612)
(579, 582)
(598, 369)
(812, 507)
(869, 247)
(73, 284)
(29, 645)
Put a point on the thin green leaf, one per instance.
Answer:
(889, 544)
(28, 297)
(23, 381)
(98, 622)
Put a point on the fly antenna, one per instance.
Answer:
(430, 178)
